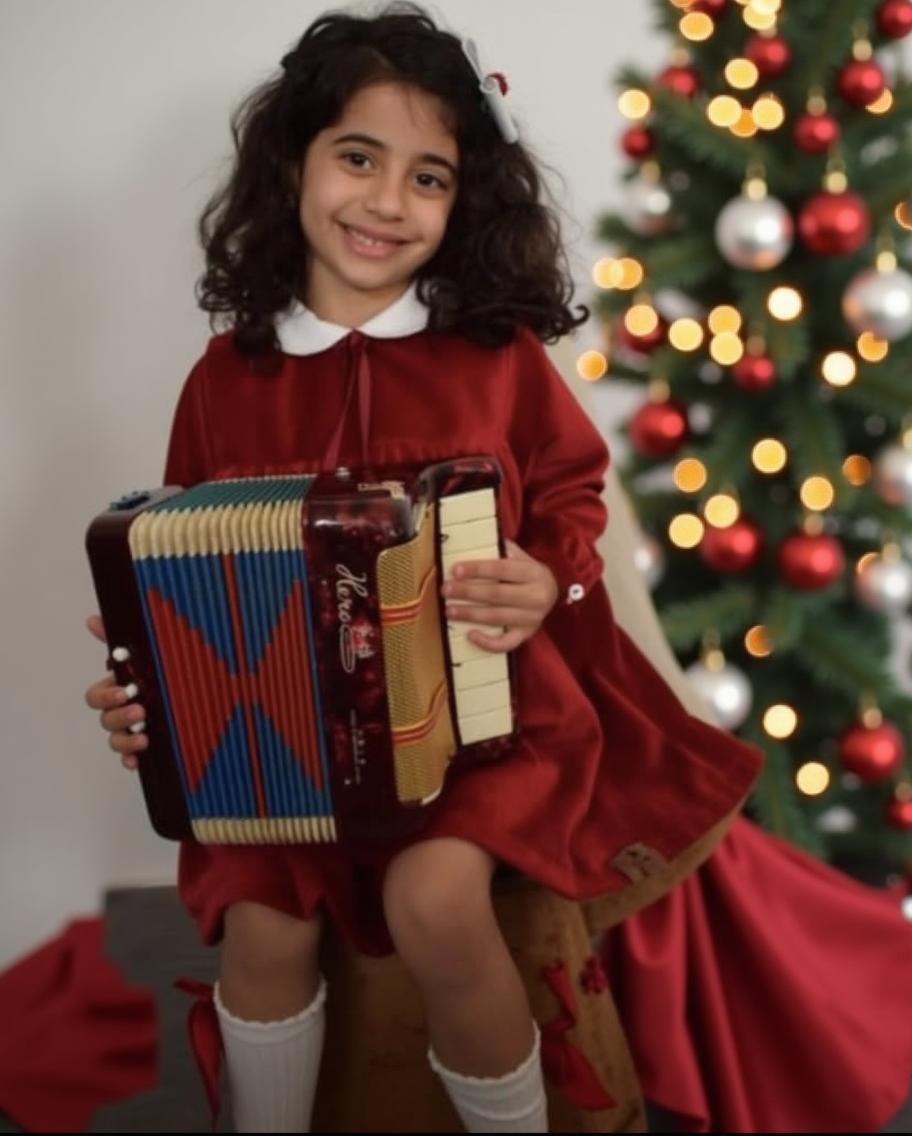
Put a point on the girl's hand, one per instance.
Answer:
(514, 592)
(116, 714)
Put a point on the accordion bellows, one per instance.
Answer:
(288, 641)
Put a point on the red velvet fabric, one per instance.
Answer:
(768, 993)
(607, 756)
(73, 1034)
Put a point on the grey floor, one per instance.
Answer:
(150, 936)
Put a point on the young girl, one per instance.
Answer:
(388, 270)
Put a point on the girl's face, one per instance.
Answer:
(377, 188)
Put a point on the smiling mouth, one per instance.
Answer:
(368, 242)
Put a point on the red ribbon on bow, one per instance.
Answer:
(205, 1039)
(566, 1066)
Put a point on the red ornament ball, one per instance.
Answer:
(659, 429)
(733, 549)
(871, 753)
(638, 141)
(808, 561)
(713, 8)
(815, 133)
(754, 372)
(861, 81)
(681, 80)
(899, 812)
(834, 223)
(771, 55)
(894, 18)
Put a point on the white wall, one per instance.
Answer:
(113, 115)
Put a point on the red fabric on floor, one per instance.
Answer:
(768, 992)
(73, 1034)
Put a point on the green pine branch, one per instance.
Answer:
(727, 455)
(813, 432)
(880, 388)
(843, 655)
(783, 614)
(774, 798)
(728, 611)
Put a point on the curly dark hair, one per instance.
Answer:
(501, 263)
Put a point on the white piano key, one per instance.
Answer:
(470, 534)
(463, 650)
(459, 507)
(482, 699)
(479, 672)
(480, 727)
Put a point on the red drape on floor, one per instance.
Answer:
(768, 992)
(74, 1034)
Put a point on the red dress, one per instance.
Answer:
(608, 759)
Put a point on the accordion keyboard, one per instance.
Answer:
(468, 530)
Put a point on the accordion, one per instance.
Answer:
(288, 640)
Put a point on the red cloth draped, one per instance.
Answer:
(768, 992)
(73, 1034)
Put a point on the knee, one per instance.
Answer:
(261, 942)
(441, 924)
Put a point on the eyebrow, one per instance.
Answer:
(367, 140)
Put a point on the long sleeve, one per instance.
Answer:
(189, 459)
(563, 459)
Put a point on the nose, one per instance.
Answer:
(386, 196)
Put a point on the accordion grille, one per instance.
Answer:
(424, 740)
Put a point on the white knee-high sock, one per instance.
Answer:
(515, 1102)
(273, 1067)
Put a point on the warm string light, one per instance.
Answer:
(723, 110)
(870, 348)
(685, 530)
(724, 318)
(812, 778)
(817, 493)
(722, 510)
(883, 104)
(768, 112)
(780, 720)
(759, 18)
(784, 303)
(696, 26)
(838, 368)
(769, 455)
(592, 366)
(857, 469)
(623, 273)
(690, 475)
(641, 318)
(685, 334)
(757, 642)
(742, 74)
(634, 103)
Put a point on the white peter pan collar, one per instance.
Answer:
(301, 332)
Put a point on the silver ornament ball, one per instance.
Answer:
(646, 206)
(754, 233)
(727, 691)
(893, 475)
(649, 559)
(879, 302)
(884, 584)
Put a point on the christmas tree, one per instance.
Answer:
(757, 292)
